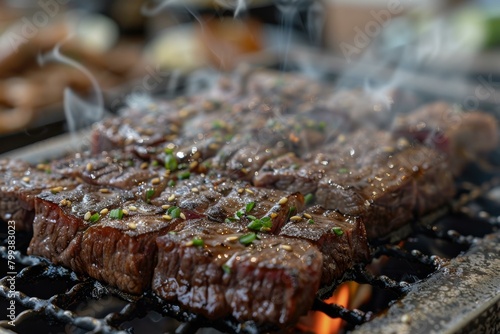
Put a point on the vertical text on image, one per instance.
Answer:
(11, 271)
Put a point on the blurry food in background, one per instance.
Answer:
(217, 42)
(90, 39)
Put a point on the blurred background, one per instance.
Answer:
(104, 52)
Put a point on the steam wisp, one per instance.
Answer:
(79, 113)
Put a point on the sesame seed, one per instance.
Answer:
(213, 146)
(273, 215)
(308, 216)
(249, 191)
(68, 203)
(165, 206)
(295, 218)
(63, 202)
(166, 173)
(240, 191)
(132, 226)
(125, 212)
(104, 190)
(144, 165)
(232, 238)
(189, 243)
(89, 167)
(26, 179)
(87, 215)
(182, 215)
(156, 180)
(55, 190)
(193, 165)
(104, 211)
(283, 201)
(286, 247)
(41, 166)
(195, 190)
(171, 198)
(166, 217)
(132, 208)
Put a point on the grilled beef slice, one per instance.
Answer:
(19, 185)
(390, 192)
(70, 229)
(246, 204)
(292, 173)
(341, 239)
(464, 136)
(116, 169)
(205, 268)
(368, 174)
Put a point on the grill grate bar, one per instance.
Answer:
(365, 277)
(52, 311)
(355, 317)
(415, 255)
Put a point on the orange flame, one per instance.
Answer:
(319, 322)
(323, 324)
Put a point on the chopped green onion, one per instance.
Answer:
(229, 220)
(171, 183)
(249, 207)
(174, 212)
(217, 125)
(337, 230)
(343, 171)
(263, 224)
(308, 198)
(95, 217)
(116, 214)
(322, 126)
(154, 163)
(184, 175)
(251, 217)
(149, 195)
(238, 214)
(198, 242)
(48, 171)
(291, 212)
(266, 219)
(310, 221)
(255, 225)
(170, 162)
(226, 268)
(169, 151)
(248, 238)
(172, 232)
